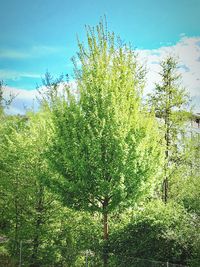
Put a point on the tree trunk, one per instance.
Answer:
(105, 225)
(105, 232)
(165, 190)
(165, 182)
(167, 139)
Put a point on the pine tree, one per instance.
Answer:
(169, 102)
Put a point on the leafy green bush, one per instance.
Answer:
(159, 232)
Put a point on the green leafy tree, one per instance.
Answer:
(169, 102)
(22, 171)
(105, 145)
(11, 183)
(29, 213)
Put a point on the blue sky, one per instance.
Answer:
(41, 35)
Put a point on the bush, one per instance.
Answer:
(159, 232)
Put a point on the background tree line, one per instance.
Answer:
(103, 172)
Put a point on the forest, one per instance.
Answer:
(106, 176)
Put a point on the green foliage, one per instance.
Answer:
(169, 97)
(186, 187)
(50, 233)
(157, 232)
(169, 101)
(105, 144)
(100, 153)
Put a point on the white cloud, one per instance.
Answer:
(23, 99)
(187, 51)
(28, 99)
(21, 93)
